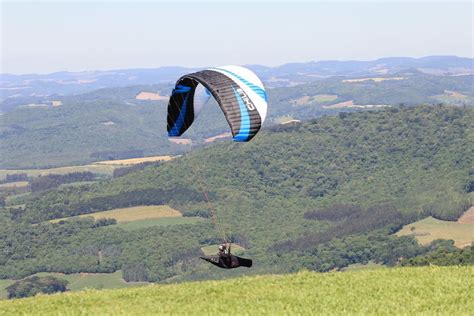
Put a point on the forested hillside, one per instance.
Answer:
(111, 122)
(323, 194)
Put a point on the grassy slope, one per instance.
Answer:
(431, 290)
(429, 229)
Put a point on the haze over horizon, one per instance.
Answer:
(104, 36)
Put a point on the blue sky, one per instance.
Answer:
(44, 37)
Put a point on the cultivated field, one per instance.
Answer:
(12, 185)
(151, 96)
(414, 291)
(319, 98)
(181, 141)
(134, 161)
(376, 79)
(136, 213)
(429, 229)
(220, 136)
(350, 104)
(105, 167)
(94, 168)
(467, 217)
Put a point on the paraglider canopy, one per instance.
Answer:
(238, 91)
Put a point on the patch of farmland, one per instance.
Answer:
(467, 217)
(220, 136)
(324, 97)
(375, 79)
(350, 104)
(319, 98)
(180, 141)
(340, 105)
(94, 168)
(151, 96)
(429, 229)
(129, 214)
(134, 161)
(12, 185)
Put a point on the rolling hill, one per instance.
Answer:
(112, 123)
(428, 290)
(71, 83)
(319, 195)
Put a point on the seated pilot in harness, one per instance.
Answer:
(224, 259)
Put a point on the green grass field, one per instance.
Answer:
(414, 291)
(429, 229)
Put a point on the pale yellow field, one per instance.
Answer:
(350, 104)
(106, 167)
(286, 119)
(214, 138)
(300, 101)
(151, 96)
(345, 104)
(130, 214)
(467, 217)
(429, 229)
(180, 141)
(376, 79)
(10, 185)
(94, 168)
(134, 161)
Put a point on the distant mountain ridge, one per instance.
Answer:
(67, 83)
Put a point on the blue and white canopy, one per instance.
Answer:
(238, 91)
